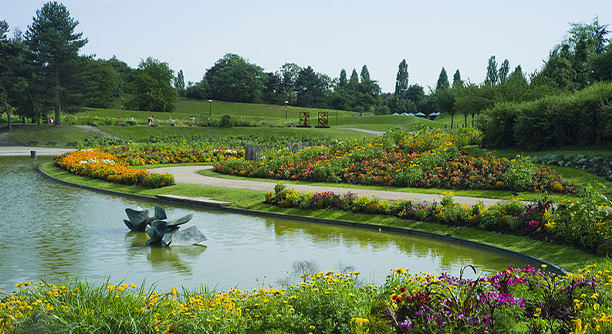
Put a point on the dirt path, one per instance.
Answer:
(189, 175)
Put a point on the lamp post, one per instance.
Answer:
(286, 108)
(209, 108)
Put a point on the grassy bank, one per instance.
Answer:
(566, 257)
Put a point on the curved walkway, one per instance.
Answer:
(189, 175)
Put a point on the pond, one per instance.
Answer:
(53, 231)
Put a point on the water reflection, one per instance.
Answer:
(51, 230)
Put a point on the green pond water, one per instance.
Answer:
(52, 231)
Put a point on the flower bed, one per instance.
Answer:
(98, 164)
(138, 154)
(516, 300)
(585, 223)
(426, 159)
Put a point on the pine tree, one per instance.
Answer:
(343, 81)
(55, 46)
(365, 74)
(442, 80)
(457, 82)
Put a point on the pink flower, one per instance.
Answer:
(533, 223)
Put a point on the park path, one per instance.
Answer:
(189, 175)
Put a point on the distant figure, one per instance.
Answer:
(192, 119)
(132, 118)
(150, 120)
(51, 120)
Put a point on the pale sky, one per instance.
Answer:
(328, 35)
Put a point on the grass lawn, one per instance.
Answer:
(566, 257)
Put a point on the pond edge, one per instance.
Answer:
(550, 267)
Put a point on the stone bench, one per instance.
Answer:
(71, 144)
(51, 143)
(32, 143)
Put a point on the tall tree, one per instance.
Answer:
(365, 73)
(55, 46)
(342, 81)
(442, 80)
(11, 57)
(310, 88)
(457, 82)
(354, 80)
(492, 74)
(179, 83)
(234, 79)
(290, 73)
(504, 70)
(153, 83)
(401, 80)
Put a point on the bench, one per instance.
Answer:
(32, 143)
(51, 143)
(70, 144)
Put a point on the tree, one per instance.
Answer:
(273, 92)
(515, 88)
(457, 82)
(504, 69)
(415, 93)
(492, 74)
(234, 79)
(200, 90)
(310, 89)
(179, 83)
(290, 73)
(444, 100)
(125, 76)
(354, 80)
(342, 81)
(365, 73)
(55, 46)
(558, 71)
(442, 80)
(401, 80)
(11, 58)
(153, 87)
(103, 80)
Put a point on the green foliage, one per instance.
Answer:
(586, 222)
(442, 80)
(55, 46)
(492, 77)
(579, 119)
(598, 165)
(226, 121)
(401, 80)
(232, 78)
(153, 87)
(519, 176)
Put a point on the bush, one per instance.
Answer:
(226, 121)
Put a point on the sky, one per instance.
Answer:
(328, 35)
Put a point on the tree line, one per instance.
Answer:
(41, 73)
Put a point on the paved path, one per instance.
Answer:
(378, 133)
(189, 175)
(25, 150)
